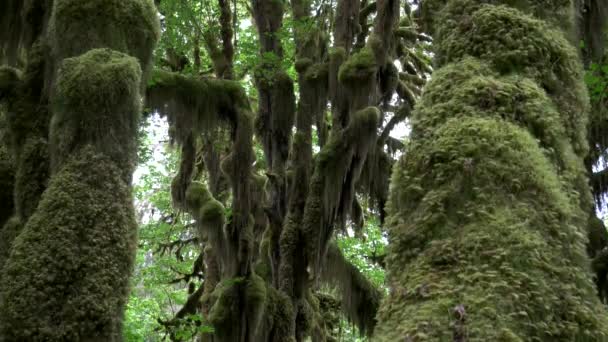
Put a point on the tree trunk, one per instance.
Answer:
(488, 209)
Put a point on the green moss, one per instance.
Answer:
(360, 67)
(317, 73)
(529, 47)
(206, 209)
(67, 275)
(194, 105)
(257, 302)
(130, 27)
(225, 310)
(479, 218)
(512, 98)
(8, 232)
(560, 13)
(97, 102)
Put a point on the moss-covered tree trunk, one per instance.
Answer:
(488, 207)
(68, 267)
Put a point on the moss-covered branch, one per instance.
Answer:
(359, 297)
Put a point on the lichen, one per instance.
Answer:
(76, 249)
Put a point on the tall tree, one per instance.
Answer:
(272, 247)
(72, 117)
(489, 205)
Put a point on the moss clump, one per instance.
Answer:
(97, 102)
(67, 274)
(529, 47)
(317, 73)
(482, 93)
(479, 219)
(128, 26)
(360, 67)
(557, 12)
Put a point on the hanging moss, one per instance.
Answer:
(360, 299)
(97, 102)
(8, 232)
(338, 166)
(479, 220)
(194, 105)
(131, 27)
(77, 249)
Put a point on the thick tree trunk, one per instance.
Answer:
(66, 277)
(488, 209)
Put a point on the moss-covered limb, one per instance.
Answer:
(130, 27)
(107, 81)
(359, 297)
(194, 105)
(338, 167)
(186, 171)
(85, 266)
(479, 218)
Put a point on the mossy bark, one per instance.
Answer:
(66, 277)
(488, 207)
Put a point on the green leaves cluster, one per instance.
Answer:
(596, 79)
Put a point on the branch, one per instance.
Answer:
(360, 298)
